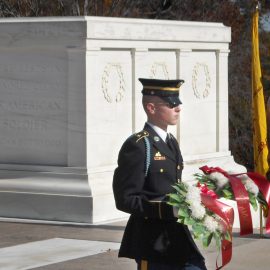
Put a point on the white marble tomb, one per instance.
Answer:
(69, 97)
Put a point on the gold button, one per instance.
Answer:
(161, 170)
(178, 180)
(178, 167)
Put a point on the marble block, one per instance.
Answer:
(70, 96)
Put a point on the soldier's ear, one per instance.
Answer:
(151, 108)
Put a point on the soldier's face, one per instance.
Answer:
(164, 114)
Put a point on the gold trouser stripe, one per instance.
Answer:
(144, 265)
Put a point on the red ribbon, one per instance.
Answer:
(264, 186)
(241, 197)
(226, 213)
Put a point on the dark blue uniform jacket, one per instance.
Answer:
(152, 232)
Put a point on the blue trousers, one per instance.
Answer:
(191, 265)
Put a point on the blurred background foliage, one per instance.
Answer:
(234, 13)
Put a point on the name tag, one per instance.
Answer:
(160, 158)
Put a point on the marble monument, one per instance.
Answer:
(70, 95)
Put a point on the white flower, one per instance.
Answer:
(193, 194)
(249, 184)
(195, 204)
(219, 178)
(197, 210)
(211, 224)
(243, 177)
(193, 198)
(251, 187)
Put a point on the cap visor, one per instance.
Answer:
(172, 100)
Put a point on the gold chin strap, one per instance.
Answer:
(144, 265)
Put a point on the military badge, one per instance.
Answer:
(158, 156)
(141, 135)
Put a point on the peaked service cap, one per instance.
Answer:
(168, 90)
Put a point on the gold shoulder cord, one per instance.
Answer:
(141, 135)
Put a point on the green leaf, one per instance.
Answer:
(207, 239)
(198, 176)
(180, 191)
(172, 203)
(211, 185)
(217, 237)
(182, 212)
(227, 236)
(189, 221)
(228, 186)
(196, 234)
(176, 198)
(227, 194)
(180, 186)
(201, 177)
(253, 201)
(198, 228)
(181, 220)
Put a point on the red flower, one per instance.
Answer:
(204, 189)
(212, 194)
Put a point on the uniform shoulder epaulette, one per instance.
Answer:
(140, 135)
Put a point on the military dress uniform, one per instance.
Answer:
(147, 169)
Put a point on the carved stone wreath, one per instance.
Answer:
(198, 92)
(105, 80)
(155, 67)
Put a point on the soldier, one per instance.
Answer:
(149, 163)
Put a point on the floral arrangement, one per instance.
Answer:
(199, 208)
(205, 224)
(219, 184)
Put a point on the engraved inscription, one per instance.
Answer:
(31, 68)
(33, 106)
(201, 80)
(31, 142)
(24, 124)
(159, 70)
(23, 85)
(107, 74)
(30, 105)
(55, 31)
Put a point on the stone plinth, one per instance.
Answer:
(70, 96)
